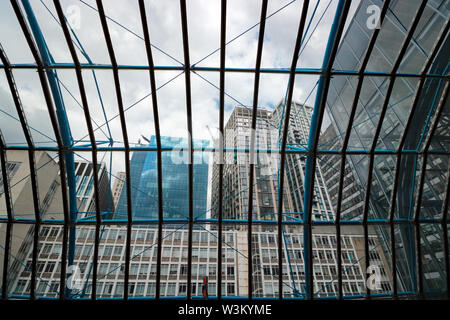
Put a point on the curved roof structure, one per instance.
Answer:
(144, 109)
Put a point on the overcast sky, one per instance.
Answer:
(166, 35)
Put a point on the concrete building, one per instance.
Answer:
(175, 182)
(298, 131)
(204, 263)
(237, 165)
(352, 191)
(84, 177)
(50, 204)
(50, 201)
(235, 194)
(393, 31)
(117, 188)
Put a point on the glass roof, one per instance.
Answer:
(131, 85)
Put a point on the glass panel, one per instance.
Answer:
(19, 270)
(165, 34)
(361, 269)
(380, 262)
(12, 39)
(11, 129)
(34, 107)
(83, 18)
(435, 183)
(3, 227)
(433, 261)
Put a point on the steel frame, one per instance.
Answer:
(44, 67)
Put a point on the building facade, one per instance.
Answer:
(175, 183)
(84, 179)
(118, 187)
(265, 199)
(142, 278)
(20, 185)
(204, 255)
(298, 131)
(352, 192)
(237, 165)
(340, 98)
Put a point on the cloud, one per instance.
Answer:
(166, 35)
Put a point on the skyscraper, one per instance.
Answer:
(237, 165)
(118, 187)
(84, 179)
(144, 177)
(265, 198)
(20, 184)
(143, 264)
(298, 131)
(373, 94)
(353, 194)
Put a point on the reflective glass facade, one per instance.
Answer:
(401, 99)
(343, 103)
(144, 188)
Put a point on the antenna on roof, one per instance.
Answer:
(211, 134)
(145, 138)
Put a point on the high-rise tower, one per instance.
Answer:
(144, 186)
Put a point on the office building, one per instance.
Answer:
(84, 178)
(235, 199)
(373, 94)
(352, 191)
(298, 131)
(20, 185)
(117, 188)
(110, 276)
(237, 165)
(175, 182)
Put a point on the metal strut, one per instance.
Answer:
(63, 125)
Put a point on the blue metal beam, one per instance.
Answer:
(312, 71)
(314, 131)
(63, 124)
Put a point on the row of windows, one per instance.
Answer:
(11, 168)
(202, 269)
(319, 271)
(111, 289)
(347, 255)
(139, 235)
(321, 288)
(137, 268)
(316, 239)
(109, 251)
(203, 237)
